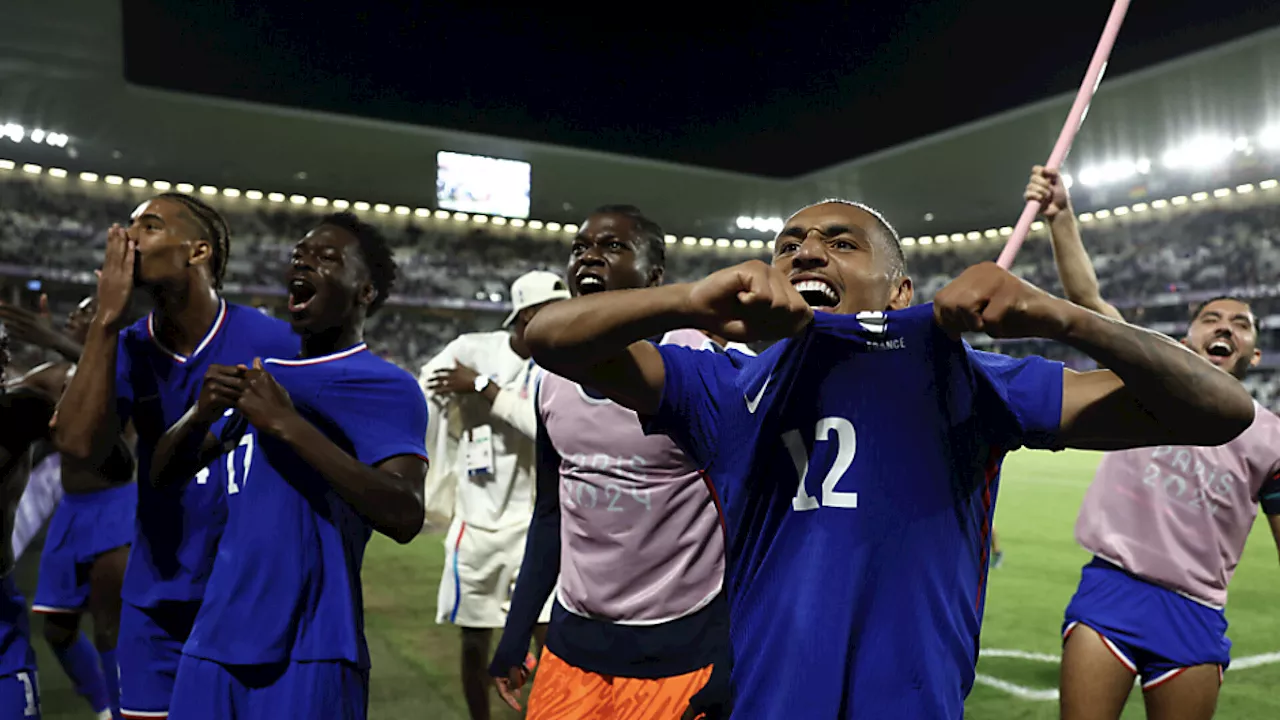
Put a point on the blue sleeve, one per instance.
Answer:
(1269, 496)
(691, 412)
(540, 567)
(124, 388)
(382, 416)
(1018, 400)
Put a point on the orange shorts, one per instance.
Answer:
(564, 692)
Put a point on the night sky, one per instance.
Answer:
(778, 91)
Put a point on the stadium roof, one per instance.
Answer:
(61, 62)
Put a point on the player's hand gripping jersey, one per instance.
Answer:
(859, 527)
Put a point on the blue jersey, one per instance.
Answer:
(286, 584)
(857, 467)
(16, 652)
(178, 527)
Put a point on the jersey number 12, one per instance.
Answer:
(846, 440)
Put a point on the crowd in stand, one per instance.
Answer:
(1150, 267)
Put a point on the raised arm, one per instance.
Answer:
(1075, 269)
(598, 340)
(505, 403)
(1156, 392)
(36, 328)
(86, 424)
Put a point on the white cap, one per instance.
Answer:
(535, 288)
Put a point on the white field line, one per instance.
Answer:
(1028, 693)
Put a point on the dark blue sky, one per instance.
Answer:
(779, 90)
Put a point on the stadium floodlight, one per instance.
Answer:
(298, 199)
(1006, 231)
(341, 204)
(1244, 189)
(671, 239)
(1068, 180)
(972, 235)
(739, 243)
(442, 214)
(1221, 192)
(57, 172)
(1199, 153)
(361, 206)
(990, 233)
(1179, 200)
(57, 140)
(7, 165)
(706, 242)
(382, 208)
(498, 220)
(925, 240)
(276, 197)
(161, 185)
(86, 176)
(231, 192)
(418, 212)
(113, 180)
(253, 194)
(1269, 184)
(463, 217)
(1159, 204)
(1140, 207)
(957, 237)
(687, 240)
(1037, 226)
(1122, 210)
(137, 182)
(1241, 144)
(1269, 137)
(1102, 214)
(13, 131)
(37, 135)
(207, 190)
(571, 229)
(189, 188)
(320, 201)
(907, 241)
(535, 224)
(517, 222)
(756, 244)
(553, 227)
(1110, 172)
(32, 169)
(1085, 217)
(746, 223)
(402, 210)
(1199, 197)
(722, 242)
(480, 219)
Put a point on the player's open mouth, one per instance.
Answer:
(820, 294)
(589, 283)
(1220, 349)
(301, 293)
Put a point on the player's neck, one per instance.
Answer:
(518, 347)
(183, 318)
(328, 342)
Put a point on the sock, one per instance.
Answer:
(80, 662)
(111, 673)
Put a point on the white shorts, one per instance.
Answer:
(480, 569)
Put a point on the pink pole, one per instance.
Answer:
(1078, 110)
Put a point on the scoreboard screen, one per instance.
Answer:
(484, 185)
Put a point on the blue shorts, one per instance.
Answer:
(83, 527)
(19, 693)
(20, 696)
(1153, 631)
(207, 690)
(148, 654)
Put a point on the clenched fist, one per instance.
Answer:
(987, 298)
(748, 303)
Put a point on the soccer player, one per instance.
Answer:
(83, 562)
(481, 388)
(318, 451)
(627, 524)
(1166, 525)
(175, 249)
(857, 460)
(25, 412)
